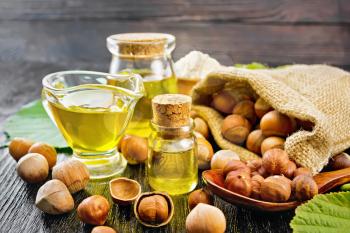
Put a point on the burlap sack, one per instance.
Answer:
(316, 93)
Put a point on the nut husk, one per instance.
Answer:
(124, 191)
(153, 209)
(73, 173)
(205, 219)
(54, 198)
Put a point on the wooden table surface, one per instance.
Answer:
(39, 37)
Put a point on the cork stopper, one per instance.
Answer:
(171, 110)
(139, 45)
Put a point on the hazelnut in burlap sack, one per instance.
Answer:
(316, 93)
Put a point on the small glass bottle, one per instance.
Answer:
(172, 162)
(149, 55)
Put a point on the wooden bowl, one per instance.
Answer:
(124, 191)
(214, 179)
(170, 206)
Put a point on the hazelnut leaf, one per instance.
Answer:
(326, 213)
(32, 122)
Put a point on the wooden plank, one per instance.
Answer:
(252, 11)
(19, 214)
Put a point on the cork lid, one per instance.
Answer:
(171, 110)
(139, 45)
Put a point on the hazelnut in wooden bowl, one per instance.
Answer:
(154, 209)
(124, 191)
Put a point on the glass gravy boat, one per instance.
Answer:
(92, 111)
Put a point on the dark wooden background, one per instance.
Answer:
(42, 36)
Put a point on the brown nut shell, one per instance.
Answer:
(271, 143)
(275, 123)
(261, 108)
(302, 171)
(289, 171)
(275, 161)
(235, 129)
(254, 141)
(153, 211)
(93, 210)
(254, 164)
(245, 108)
(240, 184)
(304, 187)
(73, 173)
(200, 196)
(46, 150)
(235, 165)
(205, 153)
(256, 186)
(33, 168)
(103, 229)
(275, 189)
(223, 102)
(201, 126)
(19, 147)
(124, 191)
(339, 161)
(134, 149)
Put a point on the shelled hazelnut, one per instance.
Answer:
(257, 180)
(93, 210)
(339, 161)
(304, 187)
(245, 108)
(201, 126)
(200, 196)
(254, 141)
(235, 128)
(302, 171)
(289, 171)
(261, 107)
(19, 147)
(240, 184)
(275, 161)
(272, 142)
(254, 164)
(236, 165)
(45, 150)
(276, 189)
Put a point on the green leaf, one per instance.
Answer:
(325, 213)
(252, 66)
(32, 122)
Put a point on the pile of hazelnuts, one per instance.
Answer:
(254, 124)
(274, 178)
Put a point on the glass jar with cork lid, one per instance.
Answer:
(172, 165)
(149, 55)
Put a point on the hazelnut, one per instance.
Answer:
(122, 140)
(93, 210)
(302, 171)
(277, 124)
(223, 102)
(272, 142)
(240, 184)
(245, 108)
(73, 173)
(235, 165)
(275, 189)
(19, 147)
(304, 187)
(46, 150)
(275, 161)
(201, 126)
(200, 196)
(134, 149)
(263, 172)
(261, 107)
(221, 158)
(256, 185)
(54, 198)
(235, 128)
(205, 153)
(289, 171)
(254, 141)
(153, 209)
(339, 161)
(205, 219)
(33, 168)
(254, 164)
(103, 229)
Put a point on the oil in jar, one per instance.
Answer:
(90, 119)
